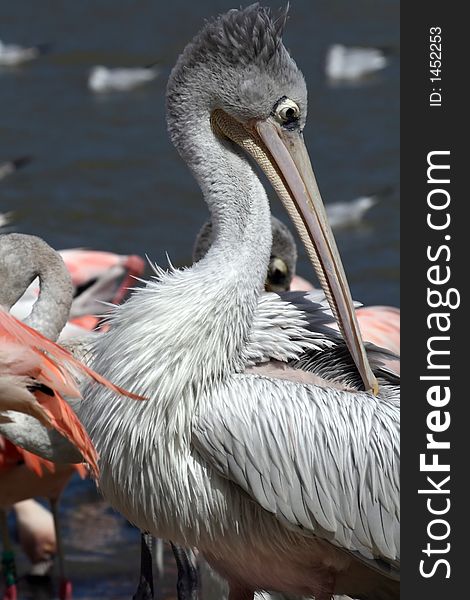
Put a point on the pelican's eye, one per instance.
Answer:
(286, 111)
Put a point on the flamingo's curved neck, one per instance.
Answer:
(51, 310)
(22, 259)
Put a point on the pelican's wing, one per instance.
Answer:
(286, 325)
(291, 326)
(325, 461)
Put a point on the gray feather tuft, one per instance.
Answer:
(237, 63)
(248, 35)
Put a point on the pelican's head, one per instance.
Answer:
(237, 63)
(237, 75)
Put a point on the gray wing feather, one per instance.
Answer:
(324, 461)
(286, 325)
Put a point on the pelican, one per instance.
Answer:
(379, 325)
(281, 484)
(285, 481)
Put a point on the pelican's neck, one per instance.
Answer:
(239, 210)
(220, 291)
(22, 259)
(235, 197)
(239, 256)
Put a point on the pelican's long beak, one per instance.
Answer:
(282, 155)
(290, 155)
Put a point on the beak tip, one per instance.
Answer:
(375, 387)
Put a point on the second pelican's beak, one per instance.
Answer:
(282, 155)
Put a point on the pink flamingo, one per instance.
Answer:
(109, 275)
(97, 277)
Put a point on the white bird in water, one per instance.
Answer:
(10, 166)
(283, 475)
(12, 55)
(4, 219)
(102, 79)
(353, 63)
(349, 214)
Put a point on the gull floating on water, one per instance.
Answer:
(12, 54)
(348, 214)
(355, 62)
(4, 219)
(10, 166)
(102, 79)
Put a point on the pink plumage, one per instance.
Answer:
(34, 361)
